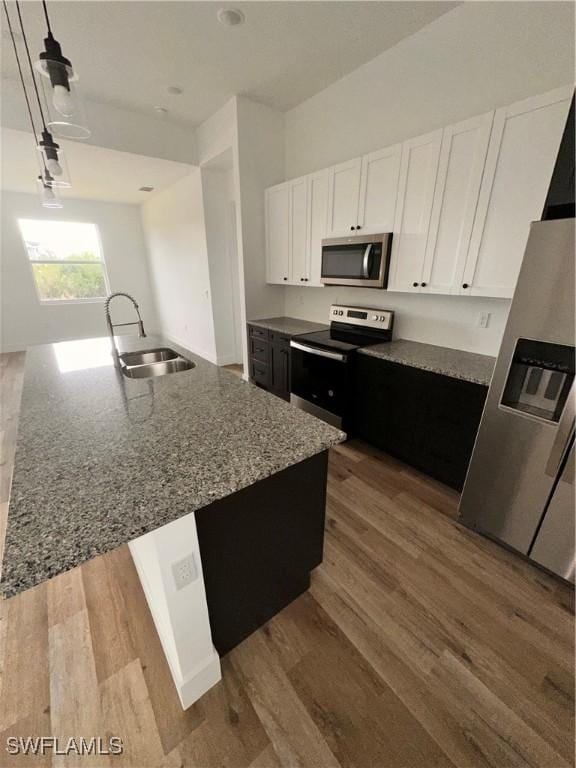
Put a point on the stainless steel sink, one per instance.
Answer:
(160, 368)
(144, 356)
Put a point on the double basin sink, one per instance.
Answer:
(153, 362)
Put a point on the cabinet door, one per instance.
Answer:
(344, 196)
(278, 234)
(418, 170)
(462, 158)
(317, 222)
(379, 190)
(521, 155)
(299, 231)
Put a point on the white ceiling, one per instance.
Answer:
(96, 173)
(128, 53)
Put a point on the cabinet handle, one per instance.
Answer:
(285, 278)
(423, 285)
(465, 285)
(358, 227)
(415, 285)
(352, 227)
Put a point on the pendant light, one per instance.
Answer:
(48, 197)
(50, 151)
(69, 121)
(49, 194)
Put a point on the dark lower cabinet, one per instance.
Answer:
(425, 419)
(269, 356)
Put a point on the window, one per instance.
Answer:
(66, 260)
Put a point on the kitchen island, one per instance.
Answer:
(196, 463)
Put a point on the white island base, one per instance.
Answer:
(180, 614)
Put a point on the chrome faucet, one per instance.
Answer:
(111, 325)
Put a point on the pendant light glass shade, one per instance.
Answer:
(68, 118)
(49, 195)
(53, 159)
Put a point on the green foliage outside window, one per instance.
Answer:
(69, 281)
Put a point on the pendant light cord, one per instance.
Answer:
(46, 17)
(35, 135)
(30, 65)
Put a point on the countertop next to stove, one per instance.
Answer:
(467, 366)
(291, 326)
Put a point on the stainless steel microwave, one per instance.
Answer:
(361, 260)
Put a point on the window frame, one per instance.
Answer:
(66, 302)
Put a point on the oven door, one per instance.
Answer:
(319, 381)
(361, 261)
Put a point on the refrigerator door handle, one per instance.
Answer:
(564, 433)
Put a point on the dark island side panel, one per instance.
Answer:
(258, 547)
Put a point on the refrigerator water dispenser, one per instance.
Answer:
(539, 379)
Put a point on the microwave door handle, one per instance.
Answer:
(366, 261)
(564, 432)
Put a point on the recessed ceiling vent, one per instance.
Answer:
(146, 189)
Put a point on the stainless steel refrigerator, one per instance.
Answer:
(520, 483)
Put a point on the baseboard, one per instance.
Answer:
(204, 677)
(185, 345)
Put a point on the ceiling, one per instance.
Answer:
(96, 173)
(129, 53)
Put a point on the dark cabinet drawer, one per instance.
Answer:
(258, 333)
(259, 373)
(258, 349)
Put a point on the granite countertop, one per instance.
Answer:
(467, 366)
(102, 459)
(291, 326)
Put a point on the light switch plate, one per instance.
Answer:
(184, 571)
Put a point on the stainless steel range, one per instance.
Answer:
(322, 362)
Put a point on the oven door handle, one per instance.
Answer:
(366, 261)
(320, 352)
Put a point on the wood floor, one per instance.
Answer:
(419, 645)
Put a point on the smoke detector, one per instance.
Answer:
(230, 17)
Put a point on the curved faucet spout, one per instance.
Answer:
(111, 325)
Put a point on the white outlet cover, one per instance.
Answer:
(184, 571)
(484, 319)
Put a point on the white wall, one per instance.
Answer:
(24, 321)
(475, 58)
(177, 252)
(260, 165)
(219, 212)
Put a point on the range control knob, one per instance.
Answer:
(375, 317)
(341, 312)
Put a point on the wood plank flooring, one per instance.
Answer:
(419, 645)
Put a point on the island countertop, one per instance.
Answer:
(467, 366)
(102, 459)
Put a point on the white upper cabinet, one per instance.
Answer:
(277, 203)
(521, 155)
(318, 192)
(299, 231)
(418, 170)
(379, 190)
(462, 157)
(459, 202)
(344, 195)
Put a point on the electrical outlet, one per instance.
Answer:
(484, 319)
(184, 571)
